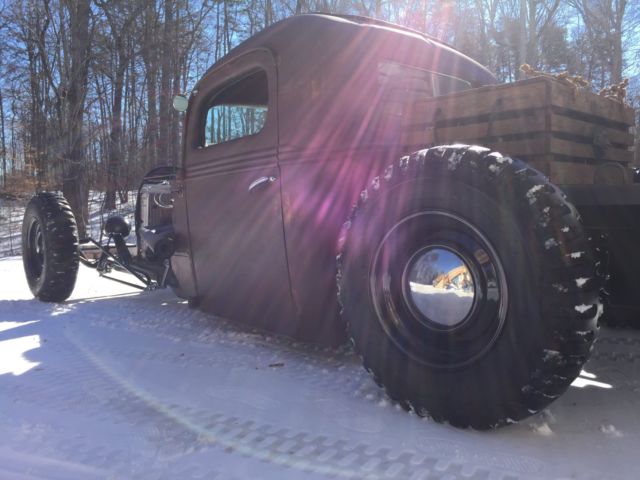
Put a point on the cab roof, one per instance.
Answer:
(281, 38)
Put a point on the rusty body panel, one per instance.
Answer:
(267, 256)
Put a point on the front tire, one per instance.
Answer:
(50, 247)
(468, 286)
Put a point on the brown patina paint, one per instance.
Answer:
(267, 257)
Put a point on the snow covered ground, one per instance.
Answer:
(115, 384)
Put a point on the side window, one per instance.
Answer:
(239, 110)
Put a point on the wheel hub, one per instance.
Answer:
(439, 286)
(439, 289)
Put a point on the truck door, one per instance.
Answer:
(232, 188)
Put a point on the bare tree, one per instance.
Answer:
(120, 16)
(166, 76)
(74, 185)
(604, 26)
(3, 142)
(87, 84)
(150, 57)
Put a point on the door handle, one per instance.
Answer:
(261, 181)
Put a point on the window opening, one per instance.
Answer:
(239, 110)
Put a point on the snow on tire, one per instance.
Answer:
(468, 286)
(50, 247)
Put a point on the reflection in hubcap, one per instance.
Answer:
(441, 286)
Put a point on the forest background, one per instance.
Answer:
(86, 85)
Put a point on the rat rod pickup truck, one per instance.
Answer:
(327, 191)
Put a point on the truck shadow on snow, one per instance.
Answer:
(40, 340)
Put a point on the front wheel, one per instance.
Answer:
(50, 247)
(468, 286)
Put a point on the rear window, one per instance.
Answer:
(416, 83)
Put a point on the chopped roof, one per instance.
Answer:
(327, 27)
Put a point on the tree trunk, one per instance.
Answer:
(522, 39)
(34, 149)
(268, 13)
(616, 62)
(174, 129)
(133, 153)
(74, 185)
(115, 138)
(3, 143)
(166, 76)
(531, 52)
(152, 120)
(14, 136)
(150, 59)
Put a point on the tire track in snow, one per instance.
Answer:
(301, 450)
(75, 382)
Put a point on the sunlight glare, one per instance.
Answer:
(4, 326)
(12, 359)
(587, 379)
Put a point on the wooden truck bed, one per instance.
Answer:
(572, 136)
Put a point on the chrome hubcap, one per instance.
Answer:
(439, 289)
(440, 286)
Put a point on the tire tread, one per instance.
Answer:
(559, 234)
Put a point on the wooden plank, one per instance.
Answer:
(518, 148)
(590, 103)
(534, 123)
(534, 145)
(417, 137)
(517, 96)
(556, 135)
(539, 162)
(581, 150)
(569, 173)
(564, 124)
(563, 172)
(558, 172)
(480, 101)
(513, 148)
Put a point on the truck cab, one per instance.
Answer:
(280, 135)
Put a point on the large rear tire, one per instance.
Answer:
(50, 247)
(468, 286)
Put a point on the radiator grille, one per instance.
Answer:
(154, 199)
